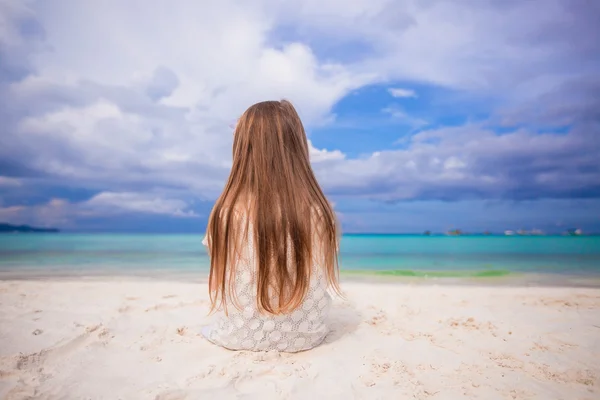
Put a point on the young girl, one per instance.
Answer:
(272, 239)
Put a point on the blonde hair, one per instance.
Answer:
(273, 189)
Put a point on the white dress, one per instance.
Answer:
(247, 329)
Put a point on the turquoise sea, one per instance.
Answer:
(388, 255)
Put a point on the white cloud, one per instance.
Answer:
(399, 115)
(454, 163)
(463, 44)
(63, 213)
(152, 103)
(234, 68)
(399, 92)
(133, 97)
(138, 203)
(319, 155)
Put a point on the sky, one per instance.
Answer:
(421, 115)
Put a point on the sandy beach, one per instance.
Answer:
(108, 338)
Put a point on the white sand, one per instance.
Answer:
(139, 340)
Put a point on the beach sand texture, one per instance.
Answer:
(139, 339)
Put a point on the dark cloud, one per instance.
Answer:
(575, 101)
(471, 162)
(22, 36)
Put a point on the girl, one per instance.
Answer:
(272, 239)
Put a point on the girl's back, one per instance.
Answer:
(247, 328)
(272, 239)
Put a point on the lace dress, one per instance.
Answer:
(247, 329)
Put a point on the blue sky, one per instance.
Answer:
(422, 115)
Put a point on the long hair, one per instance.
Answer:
(273, 195)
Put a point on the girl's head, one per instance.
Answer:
(273, 195)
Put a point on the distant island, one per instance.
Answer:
(8, 228)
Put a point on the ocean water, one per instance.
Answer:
(399, 255)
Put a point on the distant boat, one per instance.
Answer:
(509, 233)
(574, 232)
(427, 233)
(454, 232)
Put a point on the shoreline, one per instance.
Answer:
(512, 279)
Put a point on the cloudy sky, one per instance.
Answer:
(424, 114)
